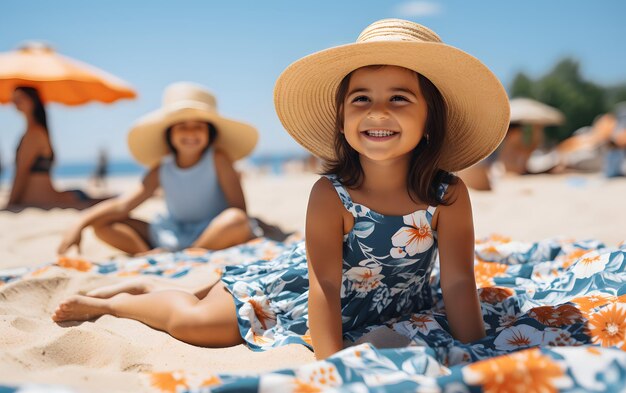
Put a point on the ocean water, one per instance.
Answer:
(275, 163)
(82, 169)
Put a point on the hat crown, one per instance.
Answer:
(397, 30)
(35, 47)
(186, 93)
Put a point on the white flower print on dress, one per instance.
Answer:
(258, 312)
(364, 279)
(415, 238)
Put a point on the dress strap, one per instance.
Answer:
(441, 191)
(345, 198)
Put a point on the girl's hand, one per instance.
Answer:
(71, 238)
(111, 210)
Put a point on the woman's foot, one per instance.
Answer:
(80, 308)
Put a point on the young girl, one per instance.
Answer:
(388, 134)
(34, 157)
(189, 149)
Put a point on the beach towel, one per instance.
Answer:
(554, 313)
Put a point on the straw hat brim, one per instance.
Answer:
(477, 104)
(146, 139)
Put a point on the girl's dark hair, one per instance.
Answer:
(424, 177)
(212, 136)
(39, 111)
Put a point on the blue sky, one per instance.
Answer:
(238, 49)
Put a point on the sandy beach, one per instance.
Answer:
(112, 354)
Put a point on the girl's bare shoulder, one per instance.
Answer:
(323, 197)
(457, 204)
(323, 190)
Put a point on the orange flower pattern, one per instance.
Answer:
(556, 316)
(526, 371)
(607, 326)
(485, 272)
(588, 303)
(168, 382)
(494, 295)
(81, 265)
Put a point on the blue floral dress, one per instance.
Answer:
(387, 264)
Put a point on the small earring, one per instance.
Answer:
(427, 139)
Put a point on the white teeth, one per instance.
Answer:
(379, 133)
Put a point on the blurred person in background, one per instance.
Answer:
(615, 158)
(34, 157)
(102, 169)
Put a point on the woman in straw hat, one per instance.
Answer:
(189, 149)
(34, 158)
(392, 115)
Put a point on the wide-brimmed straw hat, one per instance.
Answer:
(477, 104)
(183, 101)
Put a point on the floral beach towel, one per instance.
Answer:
(555, 314)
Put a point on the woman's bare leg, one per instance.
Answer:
(229, 228)
(129, 235)
(141, 285)
(133, 286)
(210, 322)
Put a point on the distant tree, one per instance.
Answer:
(616, 94)
(522, 86)
(565, 88)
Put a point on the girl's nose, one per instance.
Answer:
(378, 112)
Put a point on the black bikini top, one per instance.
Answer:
(42, 164)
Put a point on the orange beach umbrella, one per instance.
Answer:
(58, 78)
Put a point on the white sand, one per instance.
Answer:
(111, 354)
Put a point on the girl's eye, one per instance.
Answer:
(399, 98)
(360, 99)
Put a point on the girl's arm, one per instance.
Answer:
(229, 181)
(25, 158)
(324, 234)
(111, 210)
(456, 254)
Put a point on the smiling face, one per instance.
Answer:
(384, 112)
(190, 138)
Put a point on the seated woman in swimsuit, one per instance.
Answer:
(32, 184)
